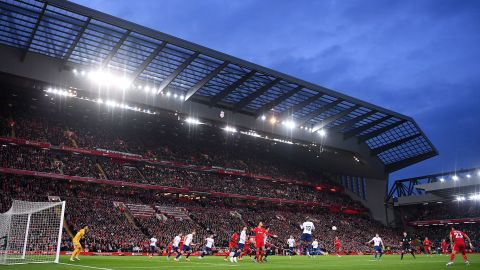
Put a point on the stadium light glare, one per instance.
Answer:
(192, 121)
(83, 73)
(61, 92)
(468, 176)
(175, 95)
(263, 117)
(478, 173)
(460, 199)
(475, 197)
(104, 78)
(273, 120)
(455, 178)
(75, 71)
(322, 132)
(182, 97)
(442, 179)
(168, 94)
(230, 129)
(111, 103)
(289, 124)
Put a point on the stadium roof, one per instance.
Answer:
(76, 35)
(439, 187)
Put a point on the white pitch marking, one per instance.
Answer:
(86, 266)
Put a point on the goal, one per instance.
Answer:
(31, 232)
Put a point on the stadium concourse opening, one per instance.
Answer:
(160, 146)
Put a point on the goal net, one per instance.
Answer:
(30, 232)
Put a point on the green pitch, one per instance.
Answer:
(391, 262)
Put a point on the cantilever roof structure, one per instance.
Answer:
(81, 36)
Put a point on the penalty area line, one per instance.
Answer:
(85, 266)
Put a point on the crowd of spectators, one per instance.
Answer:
(111, 230)
(31, 158)
(167, 138)
(446, 210)
(437, 233)
(150, 137)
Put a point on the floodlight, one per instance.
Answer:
(192, 121)
(273, 120)
(230, 129)
(289, 124)
(475, 197)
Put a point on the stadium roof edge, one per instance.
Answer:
(134, 27)
(80, 38)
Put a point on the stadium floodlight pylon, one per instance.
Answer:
(31, 232)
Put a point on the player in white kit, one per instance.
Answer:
(378, 246)
(241, 244)
(187, 249)
(175, 244)
(316, 250)
(153, 246)
(291, 246)
(306, 238)
(208, 246)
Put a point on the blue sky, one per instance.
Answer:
(419, 57)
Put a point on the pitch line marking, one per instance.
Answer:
(86, 266)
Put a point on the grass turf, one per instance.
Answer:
(391, 262)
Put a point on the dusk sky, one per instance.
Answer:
(420, 58)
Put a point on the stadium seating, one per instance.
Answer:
(110, 229)
(178, 213)
(163, 154)
(444, 216)
(64, 163)
(140, 210)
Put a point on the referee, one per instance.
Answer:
(406, 246)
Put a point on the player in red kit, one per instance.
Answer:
(260, 233)
(444, 247)
(338, 246)
(427, 244)
(457, 240)
(232, 246)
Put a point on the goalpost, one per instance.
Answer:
(31, 232)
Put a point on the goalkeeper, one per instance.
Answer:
(76, 243)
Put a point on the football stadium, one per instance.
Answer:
(125, 148)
